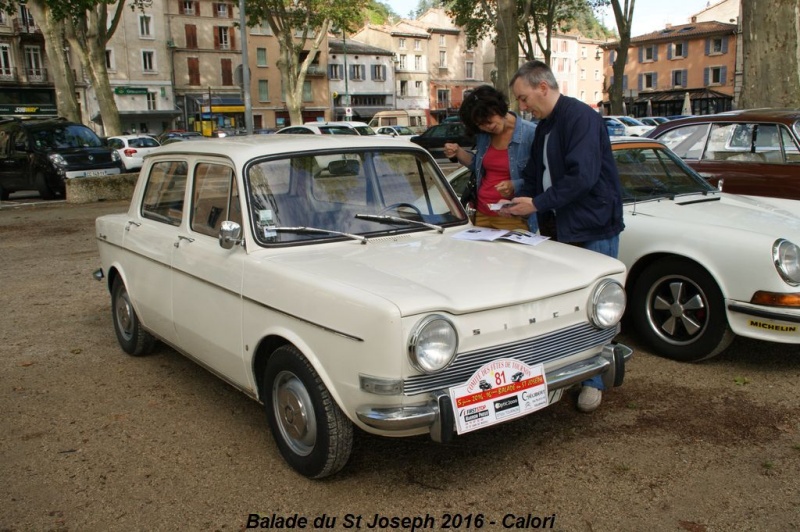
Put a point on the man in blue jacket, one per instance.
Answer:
(571, 179)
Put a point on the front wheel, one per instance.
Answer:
(677, 307)
(133, 339)
(44, 189)
(312, 433)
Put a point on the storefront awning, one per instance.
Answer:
(145, 114)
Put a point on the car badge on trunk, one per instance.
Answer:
(91, 157)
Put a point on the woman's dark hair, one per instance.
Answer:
(480, 105)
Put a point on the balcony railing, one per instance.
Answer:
(315, 70)
(36, 75)
(8, 74)
(26, 26)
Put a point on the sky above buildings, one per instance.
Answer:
(648, 15)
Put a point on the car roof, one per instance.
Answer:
(128, 137)
(785, 116)
(240, 149)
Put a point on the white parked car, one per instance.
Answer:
(133, 148)
(395, 131)
(703, 266)
(633, 128)
(323, 277)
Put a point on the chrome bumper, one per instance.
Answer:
(438, 414)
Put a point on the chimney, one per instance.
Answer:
(694, 20)
(669, 26)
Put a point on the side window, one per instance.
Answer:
(4, 138)
(164, 192)
(116, 144)
(147, 142)
(687, 142)
(790, 146)
(21, 140)
(216, 198)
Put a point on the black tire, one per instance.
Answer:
(678, 309)
(312, 433)
(132, 337)
(44, 189)
(4, 194)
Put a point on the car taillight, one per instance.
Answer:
(129, 152)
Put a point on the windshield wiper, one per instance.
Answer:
(360, 238)
(398, 220)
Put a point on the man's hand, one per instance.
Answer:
(519, 206)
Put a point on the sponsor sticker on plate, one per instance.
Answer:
(498, 391)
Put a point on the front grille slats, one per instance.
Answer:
(537, 350)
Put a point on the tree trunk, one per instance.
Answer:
(61, 73)
(771, 51)
(506, 51)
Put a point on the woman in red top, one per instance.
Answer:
(503, 147)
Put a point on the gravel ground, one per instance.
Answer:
(91, 439)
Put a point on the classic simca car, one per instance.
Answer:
(323, 276)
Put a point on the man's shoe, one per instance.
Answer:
(589, 399)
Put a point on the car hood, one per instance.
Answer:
(723, 212)
(420, 273)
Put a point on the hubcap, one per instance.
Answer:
(677, 310)
(124, 314)
(294, 412)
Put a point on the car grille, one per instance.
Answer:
(538, 350)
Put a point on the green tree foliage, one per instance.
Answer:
(300, 26)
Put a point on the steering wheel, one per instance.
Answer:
(397, 206)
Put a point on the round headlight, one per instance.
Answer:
(607, 304)
(433, 344)
(787, 261)
(58, 159)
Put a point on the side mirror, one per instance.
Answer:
(229, 234)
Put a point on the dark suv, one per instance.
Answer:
(42, 154)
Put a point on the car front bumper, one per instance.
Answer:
(438, 414)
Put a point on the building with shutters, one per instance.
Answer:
(698, 59)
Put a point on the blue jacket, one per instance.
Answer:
(519, 151)
(586, 194)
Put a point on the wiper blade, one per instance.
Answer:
(360, 238)
(398, 220)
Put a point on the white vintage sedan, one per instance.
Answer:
(325, 277)
(703, 266)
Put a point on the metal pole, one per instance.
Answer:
(346, 92)
(248, 107)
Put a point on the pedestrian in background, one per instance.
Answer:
(503, 147)
(571, 182)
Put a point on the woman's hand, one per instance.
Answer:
(451, 149)
(505, 188)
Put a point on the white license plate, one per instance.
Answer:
(95, 173)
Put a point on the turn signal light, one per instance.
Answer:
(773, 299)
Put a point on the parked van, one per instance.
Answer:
(416, 119)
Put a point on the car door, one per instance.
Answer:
(207, 279)
(750, 158)
(15, 171)
(150, 237)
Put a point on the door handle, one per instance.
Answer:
(180, 237)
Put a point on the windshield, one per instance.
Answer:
(652, 172)
(65, 137)
(365, 130)
(327, 190)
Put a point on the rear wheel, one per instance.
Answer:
(677, 307)
(133, 339)
(4, 194)
(312, 433)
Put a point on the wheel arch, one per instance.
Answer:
(646, 261)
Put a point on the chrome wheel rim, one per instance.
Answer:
(677, 310)
(123, 312)
(294, 412)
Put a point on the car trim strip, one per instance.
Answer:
(733, 307)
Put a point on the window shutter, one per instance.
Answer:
(214, 9)
(611, 56)
(641, 81)
(723, 75)
(230, 10)
(724, 45)
(227, 72)
(708, 46)
(706, 72)
(216, 37)
(232, 38)
(655, 52)
(330, 71)
(684, 76)
(180, 7)
(625, 82)
(191, 36)
(669, 50)
(641, 54)
(685, 48)
(193, 66)
(197, 8)
(655, 80)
